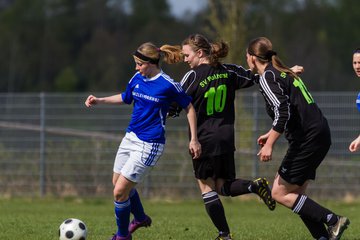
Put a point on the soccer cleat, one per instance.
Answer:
(224, 236)
(116, 237)
(262, 189)
(337, 230)
(134, 224)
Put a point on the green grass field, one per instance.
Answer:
(39, 219)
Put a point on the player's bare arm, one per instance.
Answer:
(194, 145)
(92, 100)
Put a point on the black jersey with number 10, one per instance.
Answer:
(212, 89)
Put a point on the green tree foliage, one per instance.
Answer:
(226, 21)
(66, 81)
(41, 40)
(19, 61)
(320, 35)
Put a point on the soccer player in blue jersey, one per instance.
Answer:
(355, 144)
(294, 113)
(151, 91)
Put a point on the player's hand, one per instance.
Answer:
(297, 69)
(195, 149)
(265, 153)
(355, 145)
(90, 101)
(262, 139)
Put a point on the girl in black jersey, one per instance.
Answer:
(294, 112)
(212, 87)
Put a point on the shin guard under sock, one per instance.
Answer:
(216, 211)
(136, 206)
(122, 214)
(236, 187)
(308, 208)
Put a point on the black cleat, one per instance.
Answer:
(224, 236)
(262, 189)
(337, 230)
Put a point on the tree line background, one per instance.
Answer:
(87, 45)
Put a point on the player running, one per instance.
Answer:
(294, 112)
(212, 86)
(151, 91)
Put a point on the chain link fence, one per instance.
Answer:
(52, 145)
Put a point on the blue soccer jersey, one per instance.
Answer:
(152, 98)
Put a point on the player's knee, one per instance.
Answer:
(279, 196)
(120, 195)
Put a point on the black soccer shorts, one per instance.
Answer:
(221, 166)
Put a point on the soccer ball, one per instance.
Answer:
(72, 229)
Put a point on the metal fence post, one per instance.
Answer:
(42, 145)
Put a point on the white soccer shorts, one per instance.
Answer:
(135, 158)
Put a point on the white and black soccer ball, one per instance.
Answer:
(72, 229)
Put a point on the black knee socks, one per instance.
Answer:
(216, 211)
(309, 209)
(317, 229)
(236, 187)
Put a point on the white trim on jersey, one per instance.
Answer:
(162, 119)
(165, 77)
(272, 97)
(170, 80)
(236, 73)
(268, 91)
(185, 78)
(133, 76)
